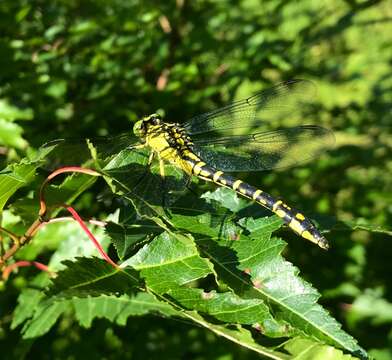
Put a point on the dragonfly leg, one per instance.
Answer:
(188, 186)
(145, 173)
(136, 147)
(150, 159)
(163, 185)
(162, 168)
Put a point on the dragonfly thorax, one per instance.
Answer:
(168, 140)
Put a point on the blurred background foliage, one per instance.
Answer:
(90, 68)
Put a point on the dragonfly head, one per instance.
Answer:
(141, 127)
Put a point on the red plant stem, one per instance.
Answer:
(90, 235)
(23, 263)
(34, 227)
(67, 169)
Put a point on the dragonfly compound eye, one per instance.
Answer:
(155, 119)
(139, 129)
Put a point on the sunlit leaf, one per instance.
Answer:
(119, 309)
(306, 349)
(92, 276)
(168, 261)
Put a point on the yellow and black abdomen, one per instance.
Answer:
(293, 218)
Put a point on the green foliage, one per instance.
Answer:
(86, 69)
(250, 283)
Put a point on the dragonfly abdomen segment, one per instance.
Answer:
(293, 218)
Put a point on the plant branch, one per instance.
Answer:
(23, 263)
(19, 241)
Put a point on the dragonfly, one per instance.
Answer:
(235, 138)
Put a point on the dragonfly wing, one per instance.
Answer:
(266, 150)
(251, 114)
(69, 151)
(132, 176)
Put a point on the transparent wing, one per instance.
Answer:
(252, 113)
(265, 150)
(131, 176)
(69, 151)
(125, 167)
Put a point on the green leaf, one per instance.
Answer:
(277, 281)
(168, 261)
(75, 242)
(206, 221)
(29, 299)
(11, 135)
(92, 276)
(57, 88)
(55, 196)
(129, 176)
(19, 175)
(13, 178)
(126, 237)
(305, 349)
(66, 193)
(45, 316)
(67, 237)
(271, 278)
(229, 308)
(362, 224)
(260, 227)
(371, 306)
(10, 112)
(237, 335)
(40, 313)
(119, 309)
(227, 198)
(27, 302)
(200, 56)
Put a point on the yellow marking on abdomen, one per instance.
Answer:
(236, 184)
(243, 191)
(196, 170)
(256, 194)
(217, 175)
(260, 200)
(222, 181)
(300, 216)
(281, 213)
(286, 206)
(198, 167)
(296, 226)
(307, 235)
(205, 173)
(275, 206)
